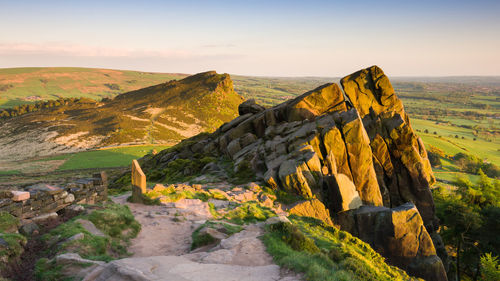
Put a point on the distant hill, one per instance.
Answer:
(22, 85)
(164, 113)
(32, 84)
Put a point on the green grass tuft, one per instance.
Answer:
(249, 212)
(114, 220)
(292, 236)
(15, 246)
(325, 253)
(8, 223)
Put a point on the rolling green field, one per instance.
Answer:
(445, 139)
(105, 158)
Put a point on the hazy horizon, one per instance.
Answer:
(271, 39)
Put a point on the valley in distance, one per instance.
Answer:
(124, 175)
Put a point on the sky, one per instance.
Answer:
(253, 37)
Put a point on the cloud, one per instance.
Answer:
(76, 50)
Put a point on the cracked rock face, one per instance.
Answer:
(399, 235)
(347, 149)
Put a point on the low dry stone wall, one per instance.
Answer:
(39, 199)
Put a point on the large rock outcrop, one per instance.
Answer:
(399, 156)
(347, 149)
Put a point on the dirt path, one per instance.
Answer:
(163, 233)
(161, 251)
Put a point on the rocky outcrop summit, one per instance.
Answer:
(353, 150)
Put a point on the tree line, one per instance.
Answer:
(40, 105)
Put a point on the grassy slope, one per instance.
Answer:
(325, 253)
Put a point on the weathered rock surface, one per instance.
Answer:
(90, 227)
(29, 229)
(179, 268)
(20, 196)
(75, 266)
(311, 208)
(403, 167)
(250, 106)
(399, 235)
(346, 150)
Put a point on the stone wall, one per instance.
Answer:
(40, 199)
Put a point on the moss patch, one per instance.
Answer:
(169, 194)
(8, 223)
(15, 245)
(116, 221)
(248, 212)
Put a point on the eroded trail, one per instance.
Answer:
(161, 251)
(162, 234)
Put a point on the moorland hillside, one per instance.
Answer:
(164, 113)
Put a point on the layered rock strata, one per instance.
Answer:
(347, 149)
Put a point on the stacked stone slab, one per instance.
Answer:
(41, 199)
(346, 149)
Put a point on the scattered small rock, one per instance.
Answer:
(218, 236)
(45, 217)
(78, 236)
(3, 243)
(278, 219)
(29, 229)
(90, 227)
(159, 187)
(70, 198)
(219, 204)
(20, 195)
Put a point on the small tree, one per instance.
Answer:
(490, 269)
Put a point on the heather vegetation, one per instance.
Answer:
(162, 114)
